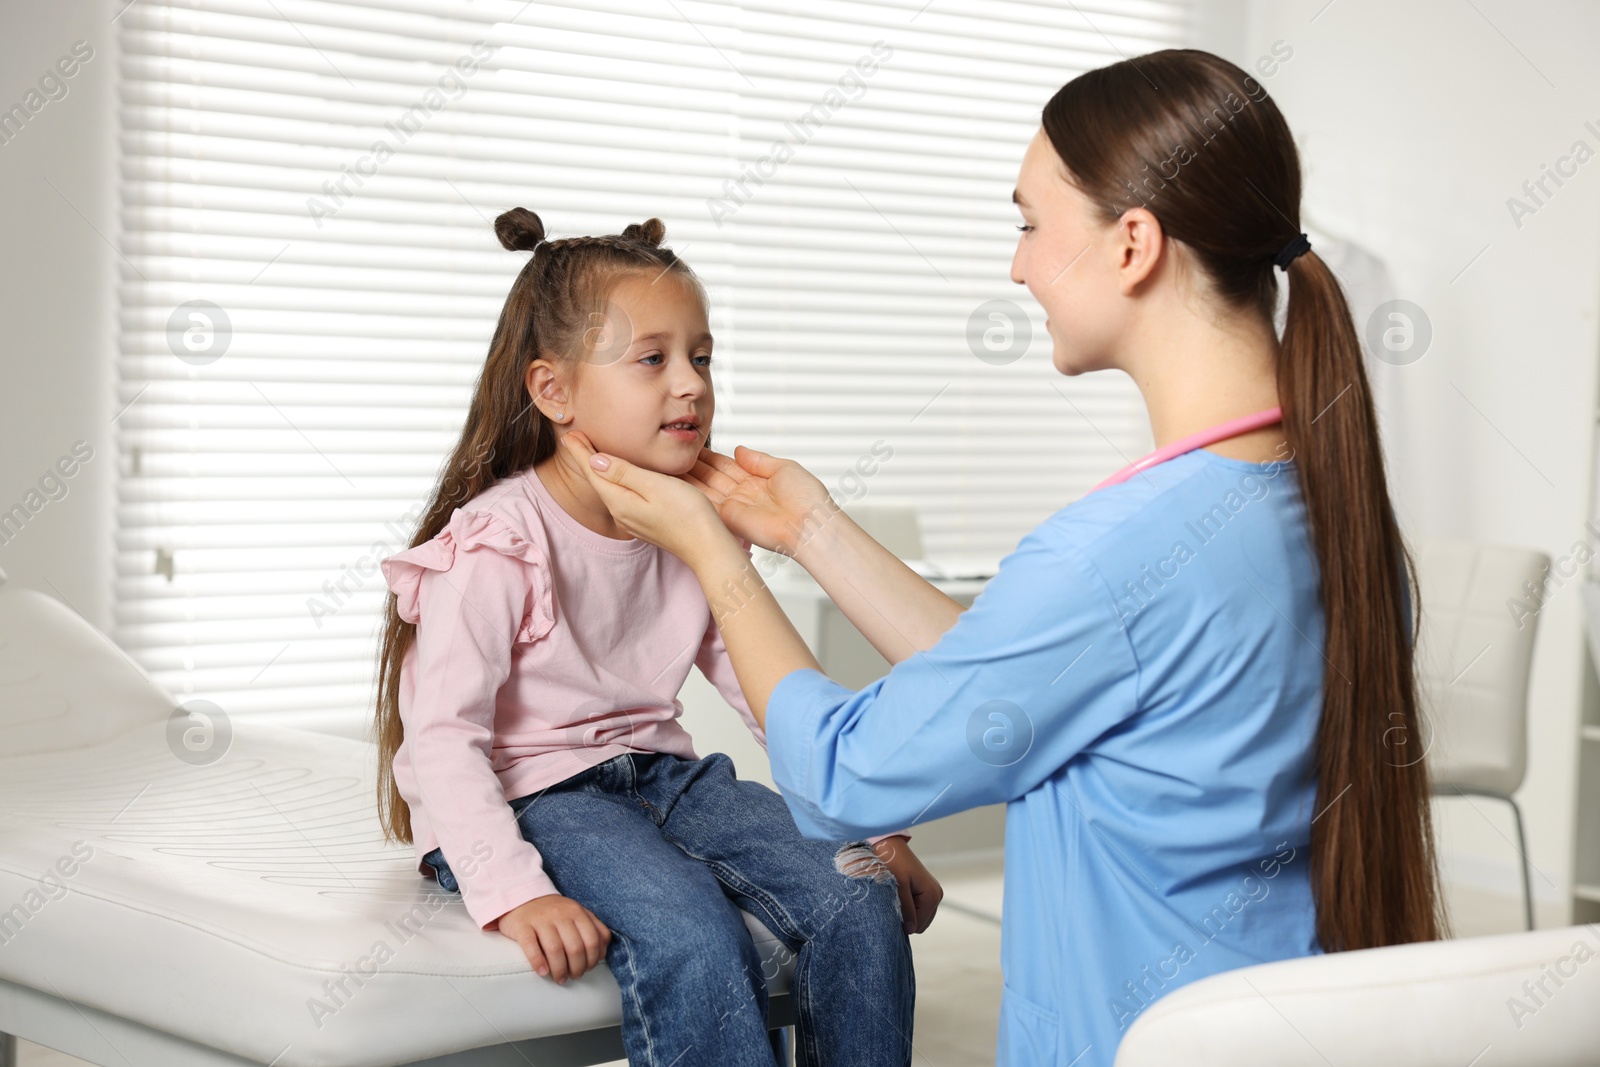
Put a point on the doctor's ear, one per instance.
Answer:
(1139, 244)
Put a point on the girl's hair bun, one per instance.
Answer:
(650, 231)
(519, 228)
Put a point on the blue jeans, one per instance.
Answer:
(665, 851)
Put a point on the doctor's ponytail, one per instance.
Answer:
(1372, 860)
(1199, 143)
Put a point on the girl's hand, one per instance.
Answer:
(560, 937)
(666, 511)
(920, 891)
(775, 503)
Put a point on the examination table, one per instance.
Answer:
(162, 906)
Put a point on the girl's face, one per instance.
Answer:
(644, 391)
(1070, 261)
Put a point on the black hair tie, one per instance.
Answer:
(1299, 244)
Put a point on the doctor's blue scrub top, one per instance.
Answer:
(1141, 684)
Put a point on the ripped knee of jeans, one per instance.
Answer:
(857, 859)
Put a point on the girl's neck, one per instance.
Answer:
(571, 489)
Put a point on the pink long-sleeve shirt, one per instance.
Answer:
(542, 649)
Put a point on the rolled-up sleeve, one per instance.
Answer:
(1029, 676)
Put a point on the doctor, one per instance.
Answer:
(1193, 686)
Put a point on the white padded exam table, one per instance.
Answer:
(155, 911)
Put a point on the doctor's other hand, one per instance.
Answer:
(560, 937)
(920, 891)
(668, 511)
(775, 503)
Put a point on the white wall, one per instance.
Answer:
(1416, 121)
(57, 287)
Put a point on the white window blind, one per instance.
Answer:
(310, 277)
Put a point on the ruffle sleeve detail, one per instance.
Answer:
(465, 531)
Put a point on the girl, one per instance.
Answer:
(527, 714)
(1197, 680)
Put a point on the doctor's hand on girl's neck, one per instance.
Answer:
(641, 391)
(1120, 293)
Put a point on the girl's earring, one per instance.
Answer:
(561, 416)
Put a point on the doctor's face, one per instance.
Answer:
(1067, 258)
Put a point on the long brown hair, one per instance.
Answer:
(1199, 143)
(555, 310)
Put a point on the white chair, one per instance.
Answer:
(1526, 999)
(202, 914)
(1474, 657)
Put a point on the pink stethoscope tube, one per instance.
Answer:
(1210, 435)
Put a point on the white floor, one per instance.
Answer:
(958, 966)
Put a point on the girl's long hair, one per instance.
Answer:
(1199, 143)
(557, 309)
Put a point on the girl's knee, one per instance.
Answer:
(858, 859)
(867, 899)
